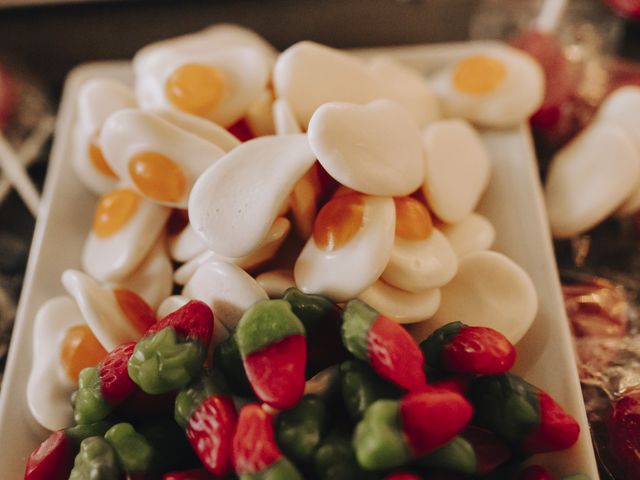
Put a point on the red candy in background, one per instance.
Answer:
(8, 96)
(624, 425)
(627, 8)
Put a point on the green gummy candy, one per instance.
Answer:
(361, 386)
(432, 347)
(335, 459)
(90, 406)
(79, 432)
(96, 460)
(300, 429)
(161, 363)
(457, 456)
(378, 439)
(265, 323)
(357, 318)
(283, 469)
(132, 449)
(227, 359)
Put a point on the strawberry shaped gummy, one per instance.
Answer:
(522, 414)
(255, 453)
(104, 387)
(384, 344)
(172, 351)
(206, 411)
(459, 348)
(394, 432)
(271, 340)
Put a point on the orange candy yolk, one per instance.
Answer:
(114, 210)
(304, 200)
(80, 349)
(97, 159)
(195, 88)
(413, 221)
(157, 176)
(479, 74)
(135, 309)
(338, 221)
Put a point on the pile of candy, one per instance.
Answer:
(372, 416)
(286, 185)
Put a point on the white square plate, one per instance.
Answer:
(513, 203)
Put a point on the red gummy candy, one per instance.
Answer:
(52, 460)
(276, 371)
(394, 354)
(535, 472)
(115, 384)
(241, 130)
(479, 350)
(197, 474)
(624, 428)
(557, 429)
(210, 431)
(254, 443)
(194, 320)
(432, 418)
(402, 476)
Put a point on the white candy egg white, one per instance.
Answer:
(400, 305)
(407, 87)
(130, 132)
(116, 256)
(621, 108)
(215, 38)
(374, 148)
(457, 169)
(284, 119)
(590, 177)
(473, 234)
(227, 289)
(418, 265)
(259, 116)
(308, 75)
(209, 131)
(153, 279)
(272, 242)
(511, 100)
(100, 310)
(97, 99)
(347, 271)
(186, 245)
(47, 392)
(235, 202)
(174, 302)
(489, 290)
(276, 282)
(244, 72)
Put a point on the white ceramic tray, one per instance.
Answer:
(513, 203)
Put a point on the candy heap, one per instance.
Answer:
(448, 404)
(367, 175)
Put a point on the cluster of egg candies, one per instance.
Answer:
(597, 174)
(369, 172)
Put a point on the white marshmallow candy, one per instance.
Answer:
(472, 234)
(457, 169)
(374, 149)
(589, 178)
(227, 289)
(235, 202)
(400, 305)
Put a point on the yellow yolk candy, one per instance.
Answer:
(479, 74)
(338, 221)
(413, 221)
(114, 210)
(157, 176)
(135, 309)
(195, 88)
(97, 159)
(80, 349)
